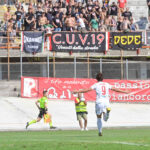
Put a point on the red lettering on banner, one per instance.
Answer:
(83, 40)
(93, 38)
(54, 38)
(68, 39)
(100, 38)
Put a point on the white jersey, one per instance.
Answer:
(102, 92)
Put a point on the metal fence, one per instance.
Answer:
(76, 68)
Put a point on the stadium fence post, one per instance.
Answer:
(75, 67)
(127, 69)
(48, 65)
(54, 64)
(121, 51)
(8, 54)
(100, 65)
(20, 64)
(88, 64)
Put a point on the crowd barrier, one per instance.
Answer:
(75, 41)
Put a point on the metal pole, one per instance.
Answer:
(54, 64)
(88, 62)
(121, 64)
(127, 73)
(20, 63)
(48, 65)
(8, 46)
(75, 67)
(101, 65)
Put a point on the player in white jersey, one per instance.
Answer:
(102, 106)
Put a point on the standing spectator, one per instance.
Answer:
(80, 23)
(29, 22)
(107, 22)
(105, 3)
(127, 14)
(114, 10)
(18, 14)
(70, 23)
(81, 111)
(122, 5)
(148, 3)
(126, 25)
(57, 23)
(42, 21)
(7, 15)
(113, 24)
(94, 24)
(119, 23)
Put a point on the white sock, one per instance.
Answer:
(99, 124)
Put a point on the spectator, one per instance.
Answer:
(113, 24)
(127, 14)
(18, 14)
(121, 5)
(133, 26)
(7, 15)
(114, 10)
(148, 3)
(57, 23)
(126, 25)
(42, 20)
(94, 24)
(30, 22)
(105, 3)
(70, 23)
(119, 23)
(80, 24)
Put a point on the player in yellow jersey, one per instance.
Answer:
(42, 106)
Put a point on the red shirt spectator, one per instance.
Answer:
(122, 3)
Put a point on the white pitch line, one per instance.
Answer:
(87, 141)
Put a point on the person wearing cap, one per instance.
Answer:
(81, 111)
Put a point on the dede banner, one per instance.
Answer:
(77, 41)
(60, 89)
(126, 40)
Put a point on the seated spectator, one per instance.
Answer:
(127, 14)
(57, 23)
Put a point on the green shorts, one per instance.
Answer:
(81, 115)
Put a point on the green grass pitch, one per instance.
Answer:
(112, 139)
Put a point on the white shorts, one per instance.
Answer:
(101, 108)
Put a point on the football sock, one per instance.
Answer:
(99, 124)
(50, 124)
(31, 122)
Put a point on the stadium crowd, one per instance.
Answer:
(75, 15)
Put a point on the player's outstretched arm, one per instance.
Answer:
(118, 90)
(82, 90)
